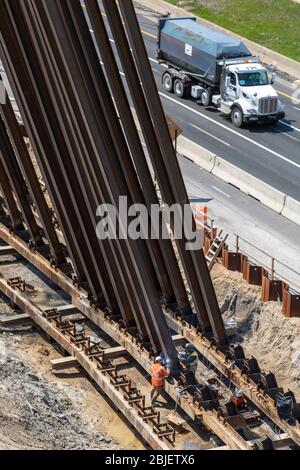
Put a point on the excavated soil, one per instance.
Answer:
(264, 331)
(40, 410)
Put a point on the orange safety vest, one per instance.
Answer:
(159, 373)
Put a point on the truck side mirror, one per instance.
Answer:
(273, 78)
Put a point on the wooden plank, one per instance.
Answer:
(178, 339)
(67, 309)
(225, 432)
(70, 361)
(115, 352)
(63, 363)
(7, 250)
(20, 319)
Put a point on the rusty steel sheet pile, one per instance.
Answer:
(89, 152)
(83, 142)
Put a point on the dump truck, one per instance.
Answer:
(216, 69)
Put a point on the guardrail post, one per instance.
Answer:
(273, 269)
(237, 244)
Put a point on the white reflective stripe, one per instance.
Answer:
(158, 376)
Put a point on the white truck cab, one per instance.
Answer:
(247, 94)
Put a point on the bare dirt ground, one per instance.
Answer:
(264, 332)
(41, 411)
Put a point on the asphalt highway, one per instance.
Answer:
(271, 153)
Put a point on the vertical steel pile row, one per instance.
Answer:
(89, 152)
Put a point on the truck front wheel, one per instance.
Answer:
(168, 82)
(206, 97)
(180, 89)
(237, 117)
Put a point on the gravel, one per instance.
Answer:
(37, 414)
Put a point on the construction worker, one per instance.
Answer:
(159, 375)
(238, 398)
(191, 358)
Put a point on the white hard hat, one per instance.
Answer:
(158, 359)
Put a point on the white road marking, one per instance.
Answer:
(291, 137)
(220, 191)
(156, 62)
(295, 107)
(210, 135)
(289, 125)
(232, 131)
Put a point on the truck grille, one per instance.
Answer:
(268, 105)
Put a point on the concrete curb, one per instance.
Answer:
(269, 57)
(202, 158)
(248, 184)
(291, 210)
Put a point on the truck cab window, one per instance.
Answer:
(253, 78)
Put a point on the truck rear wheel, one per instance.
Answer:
(168, 82)
(237, 117)
(180, 89)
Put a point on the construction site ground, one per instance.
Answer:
(64, 411)
(40, 410)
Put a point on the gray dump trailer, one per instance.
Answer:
(216, 69)
(196, 48)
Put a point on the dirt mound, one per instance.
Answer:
(264, 332)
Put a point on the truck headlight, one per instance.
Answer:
(251, 111)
